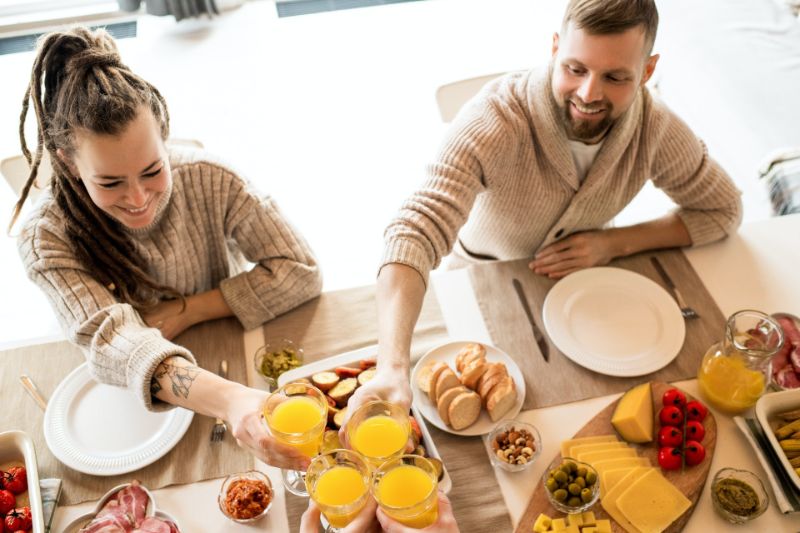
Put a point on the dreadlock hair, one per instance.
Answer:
(78, 83)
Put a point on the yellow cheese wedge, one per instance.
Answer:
(625, 462)
(633, 417)
(598, 447)
(565, 445)
(651, 503)
(609, 503)
(592, 457)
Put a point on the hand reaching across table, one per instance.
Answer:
(365, 522)
(445, 523)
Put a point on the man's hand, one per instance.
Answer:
(250, 431)
(169, 317)
(578, 251)
(445, 523)
(389, 385)
(364, 522)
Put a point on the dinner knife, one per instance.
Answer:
(537, 334)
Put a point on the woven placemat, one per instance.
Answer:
(192, 459)
(343, 321)
(560, 380)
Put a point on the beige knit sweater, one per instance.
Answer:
(207, 229)
(505, 183)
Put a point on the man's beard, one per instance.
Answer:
(586, 130)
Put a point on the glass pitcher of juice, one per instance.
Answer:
(736, 372)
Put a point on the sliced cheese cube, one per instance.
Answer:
(590, 529)
(592, 457)
(575, 519)
(542, 523)
(588, 518)
(572, 528)
(651, 503)
(604, 526)
(609, 503)
(565, 446)
(558, 524)
(596, 447)
(633, 417)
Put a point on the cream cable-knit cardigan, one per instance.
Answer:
(206, 230)
(505, 182)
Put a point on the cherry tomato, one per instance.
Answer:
(16, 479)
(670, 416)
(674, 397)
(669, 437)
(695, 430)
(694, 452)
(696, 411)
(19, 519)
(670, 458)
(7, 501)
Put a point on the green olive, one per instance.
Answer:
(586, 495)
(560, 477)
(574, 489)
(574, 502)
(581, 471)
(572, 466)
(580, 482)
(551, 484)
(591, 478)
(560, 495)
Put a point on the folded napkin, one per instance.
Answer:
(787, 496)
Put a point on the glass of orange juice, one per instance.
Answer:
(406, 490)
(379, 431)
(296, 415)
(338, 481)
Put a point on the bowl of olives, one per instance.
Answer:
(571, 486)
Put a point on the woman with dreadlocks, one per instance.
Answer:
(134, 242)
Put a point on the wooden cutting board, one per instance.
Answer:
(690, 481)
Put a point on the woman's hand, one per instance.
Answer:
(365, 522)
(169, 317)
(386, 385)
(445, 522)
(578, 251)
(250, 431)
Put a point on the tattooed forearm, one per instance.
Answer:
(181, 377)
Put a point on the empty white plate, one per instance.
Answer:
(614, 321)
(104, 430)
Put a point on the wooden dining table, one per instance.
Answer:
(756, 269)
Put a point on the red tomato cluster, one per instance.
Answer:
(681, 431)
(12, 484)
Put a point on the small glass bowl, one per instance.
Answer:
(269, 350)
(562, 506)
(746, 477)
(505, 427)
(226, 485)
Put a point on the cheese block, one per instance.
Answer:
(567, 444)
(651, 503)
(597, 447)
(609, 503)
(592, 457)
(633, 417)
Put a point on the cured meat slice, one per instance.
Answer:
(153, 525)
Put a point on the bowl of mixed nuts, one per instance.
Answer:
(273, 359)
(513, 445)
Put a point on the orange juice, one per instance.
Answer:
(338, 491)
(729, 385)
(299, 422)
(410, 492)
(379, 437)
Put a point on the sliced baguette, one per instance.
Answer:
(464, 410)
(469, 352)
(424, 377)
(437, 369)
(445, 399)
(502, 398)
(471, 374)
(447, 380)
(494, 370)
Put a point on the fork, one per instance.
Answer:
(219, 429)
(686, 311)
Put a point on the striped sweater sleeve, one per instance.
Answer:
(285, 274)
(119, 347)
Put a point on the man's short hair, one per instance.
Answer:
(604, 17)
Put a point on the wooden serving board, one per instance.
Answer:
(690, 481)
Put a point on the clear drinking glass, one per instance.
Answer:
(406, 490)
(296, 414)
(736, 371)
(379, 431)
(338, 482)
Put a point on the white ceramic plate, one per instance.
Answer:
(767, 409)
(17, 447)
(351, 359)
(446, 353)
(614, 321)
(103, 430)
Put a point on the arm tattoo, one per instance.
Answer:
(181, 377)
